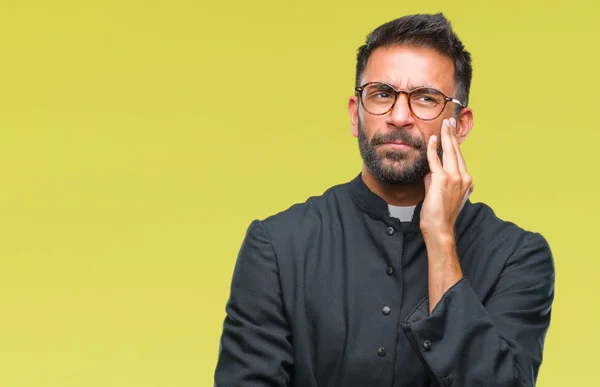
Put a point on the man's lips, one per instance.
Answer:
(397, 145)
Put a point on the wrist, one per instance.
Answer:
(440, 240)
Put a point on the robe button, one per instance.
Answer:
(381, 352)
(427, 345)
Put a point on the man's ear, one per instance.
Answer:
(353, 111)
(464, 124)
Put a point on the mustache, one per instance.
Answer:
(398, 135)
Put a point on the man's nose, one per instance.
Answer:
(401, 114)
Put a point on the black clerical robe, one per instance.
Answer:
(333, 293)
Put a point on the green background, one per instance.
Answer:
(138, 139)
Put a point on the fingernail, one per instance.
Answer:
(452, 122)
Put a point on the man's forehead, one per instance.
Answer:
(409, 67)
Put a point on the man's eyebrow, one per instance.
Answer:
(410, 86)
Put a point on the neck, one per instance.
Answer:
(394, 194)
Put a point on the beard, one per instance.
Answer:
(395, 167)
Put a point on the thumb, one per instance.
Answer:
(427, 181)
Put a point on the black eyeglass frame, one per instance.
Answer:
(359, 91)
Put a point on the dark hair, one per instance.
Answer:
(421, 30)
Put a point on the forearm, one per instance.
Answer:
(463, 345)
(495, 341)
(444, 270)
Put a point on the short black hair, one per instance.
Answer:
(421, 30)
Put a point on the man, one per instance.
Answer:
(395, 278)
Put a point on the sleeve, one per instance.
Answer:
(255, 348)
(466, 343)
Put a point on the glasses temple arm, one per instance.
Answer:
(455, 101)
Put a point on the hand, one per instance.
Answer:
(446, 187)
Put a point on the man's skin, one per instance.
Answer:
(445, 187)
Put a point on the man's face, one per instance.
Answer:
(394, 145)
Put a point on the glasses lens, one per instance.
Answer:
(378, 98)
(427, 103)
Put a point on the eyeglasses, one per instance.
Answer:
(425, 103)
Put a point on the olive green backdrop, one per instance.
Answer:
(138, 139)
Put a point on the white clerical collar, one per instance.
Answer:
(404, 214)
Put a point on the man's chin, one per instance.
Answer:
(399, 172)
(398, 159)
(391, 153)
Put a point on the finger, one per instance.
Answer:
(462, 166)
(449, 155)
(435, 165)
